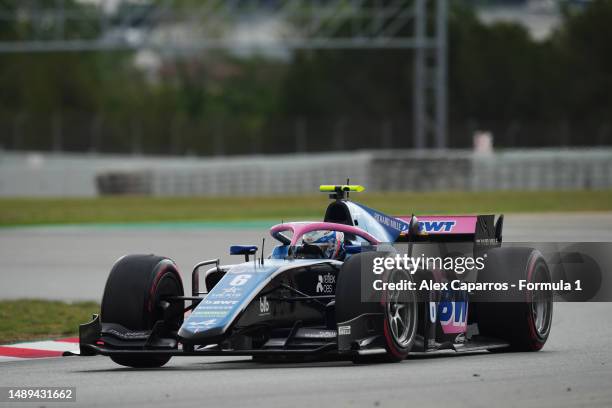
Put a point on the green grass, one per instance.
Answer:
(14, 212)
(27, 319)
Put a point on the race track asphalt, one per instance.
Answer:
(574, 369)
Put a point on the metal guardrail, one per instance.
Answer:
(35, 174)
(387, 171)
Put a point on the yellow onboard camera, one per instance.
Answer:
(340, 192)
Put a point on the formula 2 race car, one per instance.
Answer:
(307, 298)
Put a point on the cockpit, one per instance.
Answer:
(319, 240)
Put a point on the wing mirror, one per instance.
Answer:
(245, 250)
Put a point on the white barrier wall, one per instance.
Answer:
(84, 175)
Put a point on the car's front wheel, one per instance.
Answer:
(132, 299)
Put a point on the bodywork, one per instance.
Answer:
(284, 304)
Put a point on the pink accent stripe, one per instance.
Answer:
(450, 329)
(28, 353)
(69, 340)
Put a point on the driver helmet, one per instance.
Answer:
(331, 243)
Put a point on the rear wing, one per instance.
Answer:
(482, 229)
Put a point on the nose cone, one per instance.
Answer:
(215, 314)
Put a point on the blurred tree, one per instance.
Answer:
(583, 43)
(213, 102)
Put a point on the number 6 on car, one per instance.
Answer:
(240, 280)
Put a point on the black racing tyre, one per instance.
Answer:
(525, 318)
(132, 296)
(398, 308)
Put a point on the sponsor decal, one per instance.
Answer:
(211, 313)
(230, 291)
(432, 311)
(318, 334)
(436, 226)
(390, 222)
(220, 302)
(233, 291)
(487, 241)
(344, 330)
(128, 335)
(326, 283)
(264, 306)
(218, 307)
(453, 316)
(202, 323)
(210, 309)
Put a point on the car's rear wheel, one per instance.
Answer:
(521, 318)
(132, 299)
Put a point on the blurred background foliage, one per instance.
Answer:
(551, 92)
